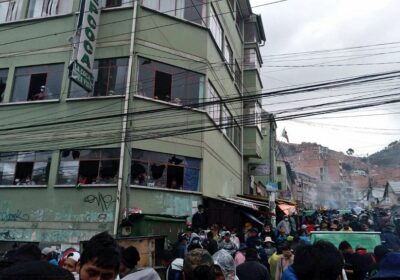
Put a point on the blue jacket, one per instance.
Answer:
(288, 274)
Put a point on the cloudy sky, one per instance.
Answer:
(295, 26)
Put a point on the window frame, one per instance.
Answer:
(228, 55)
(76, 166)
(30, 69)
(213, 18)
(5, 75)
(48, 8)
(167, 164)
(12, 15)
(33, 158)
(213, 109)
(77, 92)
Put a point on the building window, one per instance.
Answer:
(168, 83)
(250, 59)
(253, 110)
(278, 170)
(44, 8)
(237, 136)
(162, 170)
(10, 10)
(191, 10)
(89, 167)
(37, 83)
(228, 53)
(214, 108)
(215, 28)
(250, 33)
(3, 83)
(116, 3)
(227, 123)
(279, 185)
(238, 75)
(24, 168)
(110, 79)
(322, 173)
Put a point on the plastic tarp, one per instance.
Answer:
(367, 240)
(287, 209)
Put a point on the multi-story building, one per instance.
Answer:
(161, 129)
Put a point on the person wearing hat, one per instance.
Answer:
(267, 231)
(269, 246)
(198, 265)
(49, 254)
(227, 244)
(71, 263)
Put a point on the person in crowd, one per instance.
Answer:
(346, 227)
(199, 219)
(181, 249)
(240, 255)
(252, 269)
(26, 253)
(303, 236)
(390, 238)
(235, 238)
(129, 259)
(282, 237)
(253, 240)
(284, 261)
(50, 255)
(273, 261)
(71, 263)
(389, 267)
(293, 223)
(227, 244)
(356, 265)
(269, 247)
(35, 270)
(315, 262)
(174, 267)
(267, 232)
(100, 258)
(198, 265)
(210, 244)
(224, 265)
(65, 254)
(380, 252)
(284, 224)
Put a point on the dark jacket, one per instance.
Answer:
(210, 245)
(252, 270)
(199, 221)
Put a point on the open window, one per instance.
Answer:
(24, 168)
(162, 170)
(10, 10)
(168, 83)
(115, 3)
(162, 86)
(36, 83)
(110, 76)
(3, 83)
(88, 167)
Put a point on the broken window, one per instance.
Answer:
(25, 168)
(191, 10)
(162, 170)
(36, 83)
(10, 10)
(110, 79)
(168, 83)
(44, 8)
(3, 83)
(88, 167)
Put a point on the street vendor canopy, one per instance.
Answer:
(287, 209)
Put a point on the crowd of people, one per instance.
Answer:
(284, 252)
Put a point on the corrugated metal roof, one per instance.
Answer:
(395, 186)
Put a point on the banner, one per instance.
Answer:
(81, 69)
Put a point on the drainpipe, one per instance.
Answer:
(125, 124)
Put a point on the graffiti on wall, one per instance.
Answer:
(102, 201)
(17, 216)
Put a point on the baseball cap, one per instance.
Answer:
(47, 250)
(74, 255)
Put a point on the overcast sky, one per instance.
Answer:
(310, 25)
